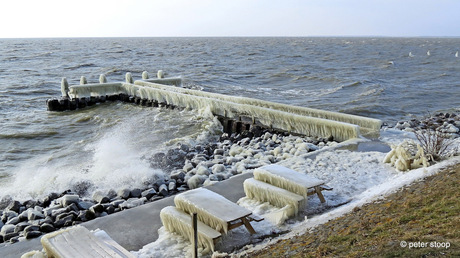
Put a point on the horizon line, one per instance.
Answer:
(311, 36)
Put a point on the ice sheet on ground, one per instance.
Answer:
(375, 192)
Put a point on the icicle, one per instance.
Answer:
(177, 221)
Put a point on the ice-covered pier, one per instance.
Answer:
(235, 113)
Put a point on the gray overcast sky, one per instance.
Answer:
(153, 18)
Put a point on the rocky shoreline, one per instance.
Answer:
(186, 167)
(447, 123)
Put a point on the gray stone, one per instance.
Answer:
(132, 202)
(172, 186)
(49, 211)
(149, 193)
(24, 215)
(13, 221)
(116, 203)
(21, 226)
(124, 193)
(73, 207)
(100, 197)
(195, 181)
(14, 206)
(63, 215)
(32, 228)
(68, 199)
(47, 227)
(218, 168)
(136, 193)
(98, 208)
(85, 215)
(202, 170)
(110, 209)
(179, 175)
(7, 215)
(66, 221)
(187, 167)
(6, 229)
(9, 236)
(84, 205)
(163, 190)
(33, 215)
(32, 234)
(48, 199)
(57, 212)
(219, 152)
(48, 219)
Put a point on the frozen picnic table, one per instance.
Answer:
(214, 210)
(291, 180)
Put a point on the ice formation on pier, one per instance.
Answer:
(368, 124)
(177, 221)
(88, 90)
(286, 178)
(293, 119)
(276, 119)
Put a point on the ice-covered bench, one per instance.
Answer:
(214, 210)
(177, 221)
(276, 196)
(80, 242)
(291, 180)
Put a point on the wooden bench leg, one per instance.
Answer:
(248, 226)
(320, 195)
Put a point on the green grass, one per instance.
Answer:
(426, 211)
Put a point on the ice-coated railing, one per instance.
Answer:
(282, 117)
(368, 124)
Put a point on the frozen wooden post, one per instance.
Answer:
(102, 78)
(145, 75)
(129, 78)
(160, 74)
(64, 87)
(83, 80)
(195, 235)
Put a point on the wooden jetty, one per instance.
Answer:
(235, 113)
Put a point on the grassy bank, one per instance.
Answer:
(425, 216)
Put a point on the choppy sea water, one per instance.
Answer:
(41, 151)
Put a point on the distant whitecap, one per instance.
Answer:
(428, 53)
(410, 54)
(456, 54)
